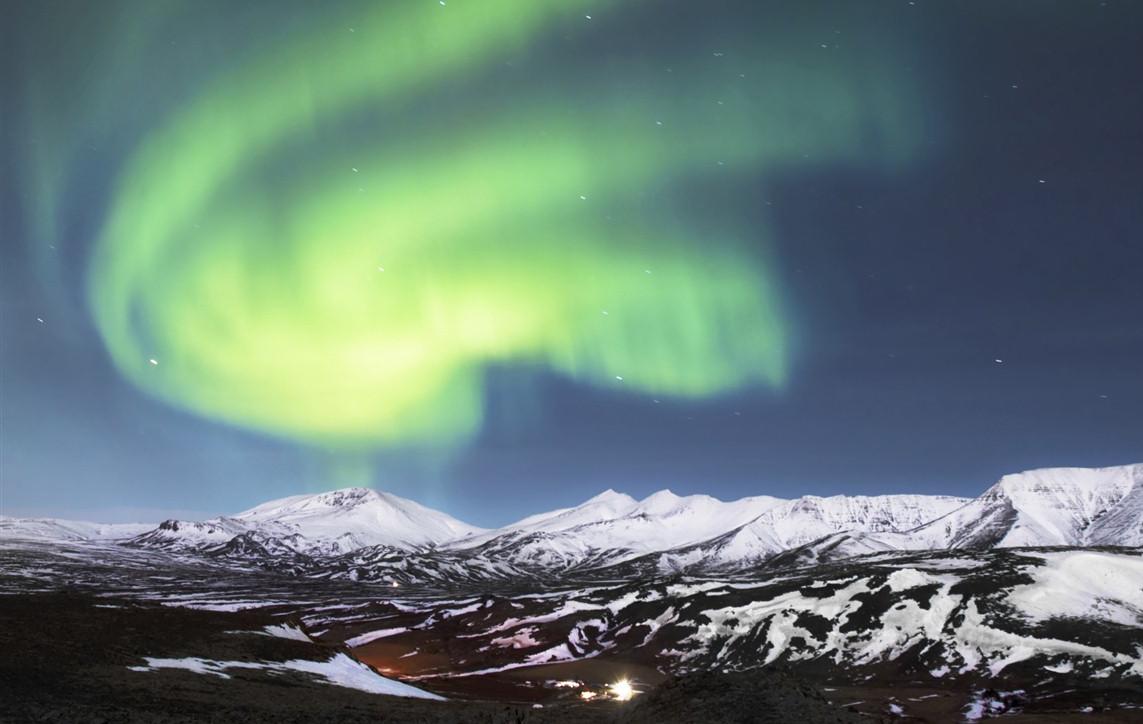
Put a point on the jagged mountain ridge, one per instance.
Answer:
(1049, 507)
(612, 528)
(358, 533)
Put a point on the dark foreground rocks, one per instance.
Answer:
(754, 697)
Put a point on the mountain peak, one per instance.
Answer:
(350, 518)
(610, 496)
(347, 497)
(661, 496)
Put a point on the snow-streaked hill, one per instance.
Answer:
(325, 524)
(74, 530)
(1013, 618)
(1048, 507)
(1021, 615)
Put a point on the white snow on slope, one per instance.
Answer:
(341, 670)
(608, 505)
(328, 523)
(611, 527)
(973, 640)
(843, 525)
(809, 518)
(375, 518)
(373, 636)
(1077, 584)
(1049, 507)
(283, 631)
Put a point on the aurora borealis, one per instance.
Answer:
(348, 289)
(399, 231)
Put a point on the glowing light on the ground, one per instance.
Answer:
(622, 690)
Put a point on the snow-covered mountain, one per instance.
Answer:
(608, 505)
(1048, 507)
(839, 526)
(613, 527)
(325, 524)
(362, 534)
(73, 530)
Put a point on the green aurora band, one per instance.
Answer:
(302, 250)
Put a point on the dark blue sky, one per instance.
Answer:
(976, 313)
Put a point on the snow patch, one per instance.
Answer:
(341, 670)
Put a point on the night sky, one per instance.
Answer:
(500, 255)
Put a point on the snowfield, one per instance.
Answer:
(1083, 584)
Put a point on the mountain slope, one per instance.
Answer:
(611, 528)
(74, 530)
(360, 534)
(1048, 507)
(839, 525)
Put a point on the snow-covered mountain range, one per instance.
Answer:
(361, 533)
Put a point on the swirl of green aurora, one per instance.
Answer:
(319, 245)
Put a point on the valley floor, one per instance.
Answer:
(68, 657)
(110, 637)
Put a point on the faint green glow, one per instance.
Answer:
(354, 296)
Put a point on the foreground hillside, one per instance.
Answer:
(935, 636)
